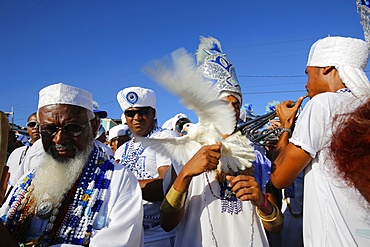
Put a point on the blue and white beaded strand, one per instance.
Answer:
(87, 203)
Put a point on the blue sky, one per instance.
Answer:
(101, 46)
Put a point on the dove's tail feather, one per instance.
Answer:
(175, 72)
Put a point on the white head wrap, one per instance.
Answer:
(119, 130)
(64, 94)
(136, 97)
(349, 56)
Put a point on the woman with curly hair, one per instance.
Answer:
(350, 148)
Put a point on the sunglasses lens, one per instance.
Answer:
(73, 129)
(130, 113)
(141, 112)
(31, 124)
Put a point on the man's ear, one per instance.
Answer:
(328, 69)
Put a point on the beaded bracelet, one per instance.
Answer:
(264, 202)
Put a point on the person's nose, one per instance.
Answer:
(137, 116)
(59, 136)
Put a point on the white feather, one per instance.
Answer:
(179, 75)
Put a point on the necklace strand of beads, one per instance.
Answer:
(131, 155)
(17, 203)
(90, 195)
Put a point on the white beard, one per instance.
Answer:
(54, 178)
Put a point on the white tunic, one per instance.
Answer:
(147, 167)
(203, 223)
(14, 161)
(333, 213)
(29, 162)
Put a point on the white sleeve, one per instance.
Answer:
(313, 127)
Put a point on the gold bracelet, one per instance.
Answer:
(274, 219)
(173, 201)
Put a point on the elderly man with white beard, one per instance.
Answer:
(75, 196)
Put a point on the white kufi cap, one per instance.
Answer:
(136, 97)
(64, 94)
(349, 56)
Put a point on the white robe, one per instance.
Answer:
(333, 213)
(14, 161)
(203, 223)
(147, 164)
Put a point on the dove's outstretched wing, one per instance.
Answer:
(178, 74)
(179, 149)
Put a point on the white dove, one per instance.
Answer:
(179, 75)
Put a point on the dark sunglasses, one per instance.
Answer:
(32, 124)
(71, 129)
(141, 111)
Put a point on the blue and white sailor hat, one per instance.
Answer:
(136, 97)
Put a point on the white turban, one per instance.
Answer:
(136, 97)
(64, 94)
(349, 56)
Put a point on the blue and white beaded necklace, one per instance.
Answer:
(132, 154)
(82, 214)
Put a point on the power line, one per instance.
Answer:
(274, 92)
(272, 76)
